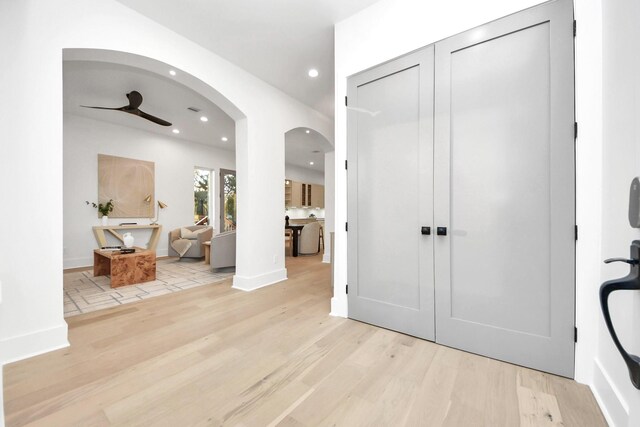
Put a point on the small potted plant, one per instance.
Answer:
(104, 209)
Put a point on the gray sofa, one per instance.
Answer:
(196, 250)
(223, 250)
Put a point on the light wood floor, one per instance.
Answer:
(216, 356)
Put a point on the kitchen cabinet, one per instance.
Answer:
(317, 196)
(302, 195)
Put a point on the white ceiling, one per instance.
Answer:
(275, 40)
(301, 148)
(106, 84)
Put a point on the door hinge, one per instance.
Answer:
(575, 130)
(575, 334)
(346, 226)
(575, 27)
(346, 289)
(346, 102)
(576, 232)
(346, 164)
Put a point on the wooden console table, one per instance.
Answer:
(98, 231)
(125, 269)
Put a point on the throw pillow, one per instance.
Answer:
(185, 233)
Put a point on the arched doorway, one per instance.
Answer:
(308, 198)
(201, 119)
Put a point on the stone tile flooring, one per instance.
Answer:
(84, 293)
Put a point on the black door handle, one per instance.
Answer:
(441, 231)
(425, 231)
(628, 261)
(630, 282)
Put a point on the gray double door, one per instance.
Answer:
(461, 199)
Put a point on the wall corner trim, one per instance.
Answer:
(34, 343)
(250, 283)
(612, 404)
(339, 306)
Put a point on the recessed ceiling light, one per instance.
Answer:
(313, 72)
(176, 131)
(307, 131)
(172, 72)
(224, 138)
(311, 163)
(204, 119)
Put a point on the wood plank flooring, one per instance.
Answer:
(273, 357)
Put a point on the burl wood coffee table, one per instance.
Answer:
(125, 269)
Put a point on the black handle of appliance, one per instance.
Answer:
(425, 231)
(628, 283)
(441, 231)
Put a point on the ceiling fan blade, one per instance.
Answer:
(135, 99)
(151, 118)
(107, 108)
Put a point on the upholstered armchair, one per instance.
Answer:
(223, 250)
(188, 241)
(309, 241)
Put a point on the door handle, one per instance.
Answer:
(426, 231)
(441, 231)
(629, 282)
(628, 261)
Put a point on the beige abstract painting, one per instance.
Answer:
(128, 182)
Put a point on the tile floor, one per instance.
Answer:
(84, 293)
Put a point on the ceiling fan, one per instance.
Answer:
(135, 99)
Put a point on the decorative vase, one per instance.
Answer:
(105, 220)
(128, 240)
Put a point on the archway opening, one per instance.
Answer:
(306, 192)
(200, 142)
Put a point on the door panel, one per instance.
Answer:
(390, 179)
(504, 187)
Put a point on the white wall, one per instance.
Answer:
(1, 400)
(308, 176)
(621, 159)
(33, 35)
(391, 28)
(174, 161)
(1, 374)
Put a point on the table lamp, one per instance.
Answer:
(161, 205)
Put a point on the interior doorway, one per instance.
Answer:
(203, 206)
(102, 78)
(304, 189)
(228, 200)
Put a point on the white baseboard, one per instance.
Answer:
(251, 283)
(32, 344)
(614, 407)
(162, 252)
(339, 307)
(68, 263)
(326, 258)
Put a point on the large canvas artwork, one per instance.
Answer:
(128, 182)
